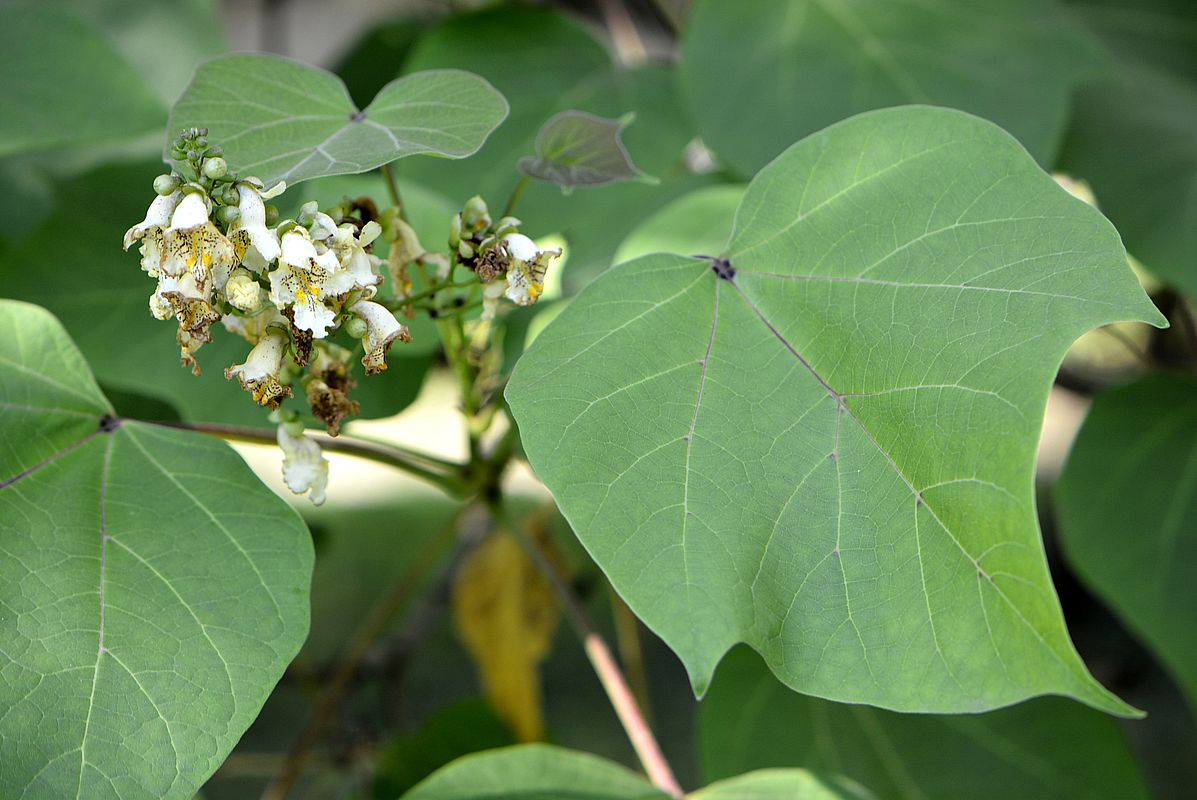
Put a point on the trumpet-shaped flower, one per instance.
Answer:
(149, 231)
(305, 469)
(256, 244)
(304, 279)
(261, 373)
(243, 292)
(525, 274)
(350, 247)
(381, 330)
(193, 244)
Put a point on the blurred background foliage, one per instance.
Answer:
(389, 686)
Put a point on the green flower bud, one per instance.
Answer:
(166, 184)
(230, 196)
(464, 250)
(228, 214)
(216, 168)
(192, 155)
(356, 327)
(475, 214)
(271, 214)
(455, 231)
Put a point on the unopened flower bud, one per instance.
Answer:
(271, 214)
(230, 196)
(228, 214)
(243, 291)
(216, 168)
(356, 327)
(475, 214)
(464, 250)
(455, 231)
(166, 184)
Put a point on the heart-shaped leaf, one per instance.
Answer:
(760, 74)
(282, 120)
(822, 443)
(1127, 503)
(152, 589)
(575, 148)
(1048, 747)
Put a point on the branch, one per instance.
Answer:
(605, 666)
(443, 474)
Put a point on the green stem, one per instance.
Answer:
(444, 475)
(436, 289)
(516, 194)
(393, 188)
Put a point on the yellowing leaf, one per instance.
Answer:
(505, 614)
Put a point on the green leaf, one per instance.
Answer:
(760, 74)
(1145, 110)
(65, 84)
(533, 772)
(828, 452)
(575, 148)
(282, 120)
(153, 589)
(1127, 505)
(1047, 747)
(782, 784)
(544, 63)
(73, 265)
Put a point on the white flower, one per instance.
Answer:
(323, 228)
(525, 275)
(381, 330)
(305, 469)
(260, 374)
(350, 248)
(256, 244)
(193, 244)
(304, 279)
(252, 328)
(156, 216)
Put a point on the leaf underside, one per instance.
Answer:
(822, 444)
(284, 121)
(575, 148)
(151, 589)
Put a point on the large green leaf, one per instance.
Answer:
(282, 120)
(1148, 108)
(1045, 748)
(823, 443)
(545, 63)
(533, 772)
(152, 589)
(1127, 505)
(761, 73)
(66, 84)
(73, 265)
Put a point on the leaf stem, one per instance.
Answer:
(516, 194)
(609, 674)
(445, 475)
(393, 189)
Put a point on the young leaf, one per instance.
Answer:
(533, 772)
(1127, 504)
(759, 74)
(153, 589)
(575, 148)
(282, 120)
(1048, 747)
(823, 442)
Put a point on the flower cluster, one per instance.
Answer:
(219, 254)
